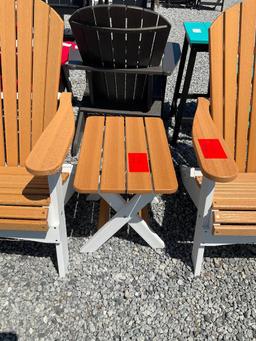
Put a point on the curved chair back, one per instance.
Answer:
(233, 81)
(119, 36)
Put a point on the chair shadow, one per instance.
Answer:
(8, 336)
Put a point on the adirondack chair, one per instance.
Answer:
(121, 61)
(224, 137)
(34, 134)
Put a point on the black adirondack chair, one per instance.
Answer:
(122, 50)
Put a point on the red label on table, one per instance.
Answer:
(138, 162)
(212, 149)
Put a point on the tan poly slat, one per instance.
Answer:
(8, 59)
(24, 26)
(103, 213)
(2, 154)
(234, 230)
(137, 182)
(164, 177)
(251, 163)
(23, 225)
(41, 21)
(88, 168)
(21, 212)
(26, 200)
(113, 166)
(53, 66)
(231, 40)
(234, 204)
(234, 217)
(216, 68)
(25, 191)
(247, 41)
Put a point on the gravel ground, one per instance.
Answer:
(125, 290)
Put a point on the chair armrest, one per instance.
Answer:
(49, 152)
(170, 58)
(217, 169)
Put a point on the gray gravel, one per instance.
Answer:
(126, 291)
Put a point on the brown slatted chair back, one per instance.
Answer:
(120, 36)
(31, 36)
(233, 81)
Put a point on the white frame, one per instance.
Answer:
(202, 198)
(126, 212)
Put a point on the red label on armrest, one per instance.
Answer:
(212, 149)
(138, 162)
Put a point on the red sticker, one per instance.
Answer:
(138, 162)
(212, 149)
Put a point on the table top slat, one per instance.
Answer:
(113, 166)
(137, 182)
(163, 172)
(88, 168)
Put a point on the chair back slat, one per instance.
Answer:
(24, 50)
(2, 142)
(56, 28)
(41, 30)
(9, 69)
(31, 42)
(246, 60)
(251, 165)
(231, 43)
(159, 42)
(233, 84)
(147, 39)
(216, 69)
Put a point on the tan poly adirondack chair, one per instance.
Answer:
(224, 189)
(34, 135)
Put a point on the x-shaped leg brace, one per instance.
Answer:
(126, 213)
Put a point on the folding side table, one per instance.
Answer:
(120, 156)
(196, 36)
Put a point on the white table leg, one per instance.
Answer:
(142, 228)
(127, 212)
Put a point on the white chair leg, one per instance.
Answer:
(202, 222)
(56, 220)
(197, 257)
(62, 253)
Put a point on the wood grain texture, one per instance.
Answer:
(234, 230)
(251, 162)
(48, 154)
(23, 225)
(8, 62)
(21, 212)
(113, 164)
(88, 168)
(164, 177)
(216, 72)
(247, 46)
(234, 217)
(41, 31)
(137, 182)
(56, 29)
(24, 49)
(238, 194)
(231, 43)
(222, 170)
(2, 149)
